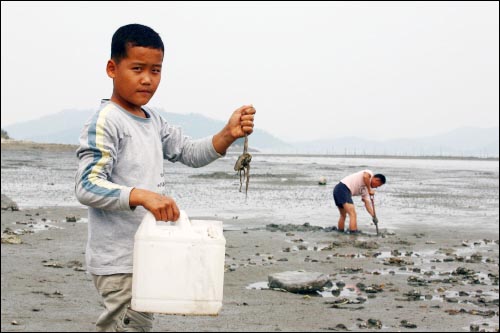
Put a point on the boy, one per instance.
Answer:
(360, 183)
(120, 173)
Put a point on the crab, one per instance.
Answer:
(243, 164)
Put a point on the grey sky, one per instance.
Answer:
(316, 70)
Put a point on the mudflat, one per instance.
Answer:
(431, 279)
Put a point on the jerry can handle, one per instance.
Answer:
(149, 221)
(183, 221)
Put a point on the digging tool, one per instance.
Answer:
(375, 219)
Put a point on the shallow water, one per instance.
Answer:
(284, 189)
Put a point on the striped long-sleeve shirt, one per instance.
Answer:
(119, 151)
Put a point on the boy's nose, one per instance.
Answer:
(146, 79)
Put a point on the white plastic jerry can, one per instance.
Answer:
(178, 267)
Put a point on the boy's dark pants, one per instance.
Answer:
(116, 291)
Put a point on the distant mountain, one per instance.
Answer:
(466, 141)
(65, 127)
(5, 135)
(61, 127)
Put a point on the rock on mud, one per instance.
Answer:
(11, 239)
(7, 203)
(293, 227)
(366, 245)
(298, 282)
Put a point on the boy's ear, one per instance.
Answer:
(111, 68)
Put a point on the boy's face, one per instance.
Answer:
(136, 77)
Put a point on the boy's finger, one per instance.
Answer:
(247, 129)
(247, 123)
(248, 117)
(247, 109)
(242, 108)
(163, 215)
(170, 213)
(176, 213)
(250, 110)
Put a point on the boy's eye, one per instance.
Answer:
(156, 70)
(136, 68)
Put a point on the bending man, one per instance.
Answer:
(360, 183)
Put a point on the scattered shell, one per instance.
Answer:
(11, 239)
(374, 323)
(408, 324)
(53, 264)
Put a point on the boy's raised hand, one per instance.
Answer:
(241, 121)
(239, 124)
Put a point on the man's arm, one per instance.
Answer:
(369, 207)
(367, 178)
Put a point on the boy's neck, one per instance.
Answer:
(133, 109)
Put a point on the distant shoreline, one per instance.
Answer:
(10, 144)
(401, 157)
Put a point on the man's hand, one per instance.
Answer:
(162, 207)
(375, 220)
(239, 124)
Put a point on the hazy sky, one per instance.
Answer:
(317, 70)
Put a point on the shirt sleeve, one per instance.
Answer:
(179, 147)
(97, 154)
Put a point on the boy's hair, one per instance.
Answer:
(381, 177)
(133, 35)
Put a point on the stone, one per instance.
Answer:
(374, 323)
(7, 203)
(366, 245)
(408, 324)
(70, 218)
(298, 281)
(474, 328)
(11, 239)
